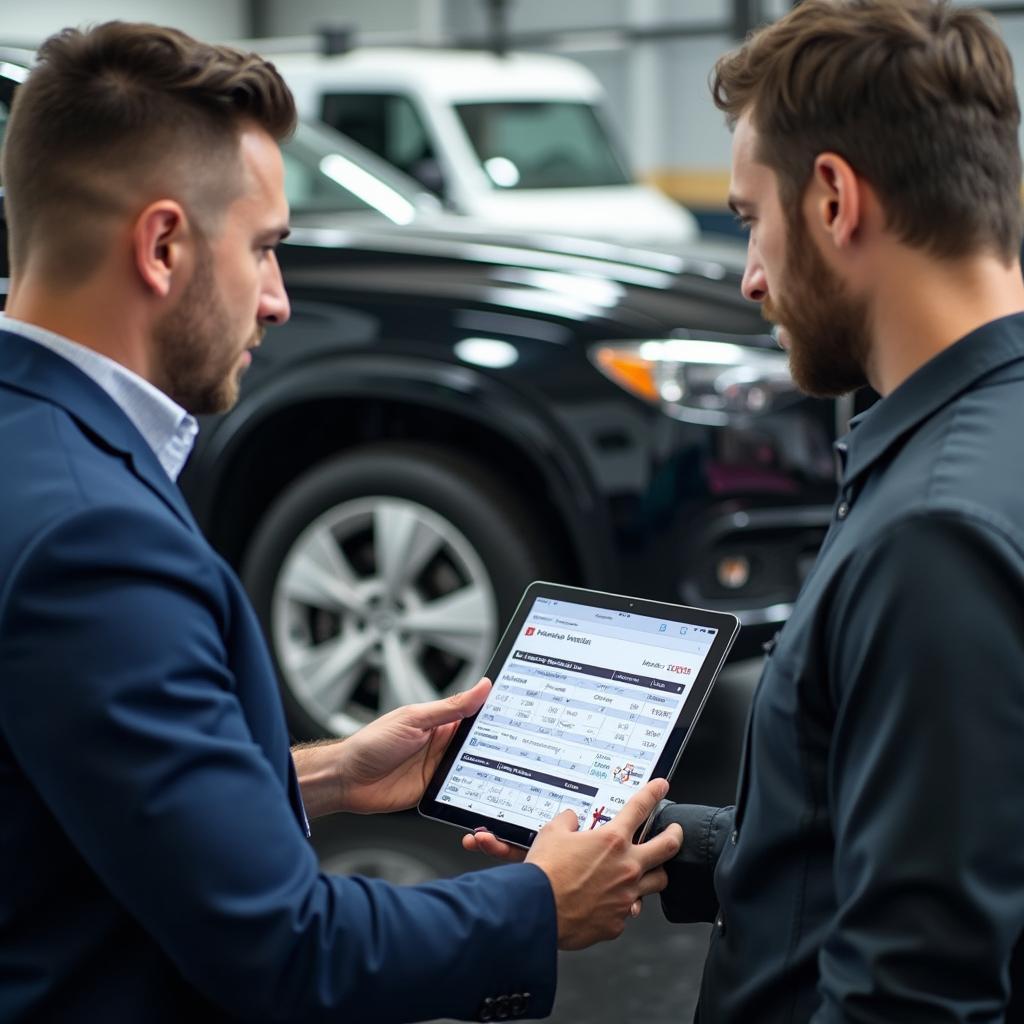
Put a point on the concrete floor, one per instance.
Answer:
(652, 973)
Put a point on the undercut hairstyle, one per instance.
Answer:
(916, 95)
(112, 118)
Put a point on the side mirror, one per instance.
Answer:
(428, 203)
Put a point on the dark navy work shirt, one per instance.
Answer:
(872, 869)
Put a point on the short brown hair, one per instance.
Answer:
(916, 95)
(109, 115)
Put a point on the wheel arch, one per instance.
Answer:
(321, 410)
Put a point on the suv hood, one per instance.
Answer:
(448, 235)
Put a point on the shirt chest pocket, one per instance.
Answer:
(780, 734)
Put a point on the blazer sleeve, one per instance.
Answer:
(119, 706)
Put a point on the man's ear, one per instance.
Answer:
(836, 202)
(159, 245)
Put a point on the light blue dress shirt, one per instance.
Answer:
(167, 428)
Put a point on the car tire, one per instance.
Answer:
(384, 576)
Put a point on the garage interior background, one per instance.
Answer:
(651, 56)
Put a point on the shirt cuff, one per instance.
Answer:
(690, 894)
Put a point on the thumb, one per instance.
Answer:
(564, 822)
(450, 709)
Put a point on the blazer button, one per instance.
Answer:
(517, 1004)
(735, 835)
(501, 1008)
(720, 923)
(486, 1010)
(842, 510)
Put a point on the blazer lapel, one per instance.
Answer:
(34, 369)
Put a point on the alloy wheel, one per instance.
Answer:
(380, 602)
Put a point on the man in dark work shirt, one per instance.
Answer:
(872, 869)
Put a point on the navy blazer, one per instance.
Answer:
(153, 861)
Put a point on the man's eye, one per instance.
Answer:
(743, 222)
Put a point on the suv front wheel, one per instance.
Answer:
(383, 577)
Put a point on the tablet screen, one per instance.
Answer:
(580, 714)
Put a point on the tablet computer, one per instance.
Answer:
(594, 694)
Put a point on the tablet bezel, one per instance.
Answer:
(725, 623)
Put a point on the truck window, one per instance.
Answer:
(389, 125)
(542, 144)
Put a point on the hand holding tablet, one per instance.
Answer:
(593, 700)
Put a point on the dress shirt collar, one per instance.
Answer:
(166, 427)
(928, 389)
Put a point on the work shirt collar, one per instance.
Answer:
(928, 389)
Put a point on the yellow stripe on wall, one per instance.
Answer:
(696, 188)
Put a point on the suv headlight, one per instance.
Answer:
(700, 380)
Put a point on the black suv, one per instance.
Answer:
(450, 414)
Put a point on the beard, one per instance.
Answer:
(200, 367)
(828, 329)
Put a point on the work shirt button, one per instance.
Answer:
(720, 923)
(842, 510)
(735, 835)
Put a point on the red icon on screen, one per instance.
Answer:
(530, 630)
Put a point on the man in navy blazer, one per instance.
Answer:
(154, 862)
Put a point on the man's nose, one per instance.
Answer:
(754, 285)
(274, 305)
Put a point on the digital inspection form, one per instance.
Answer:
(579, 715)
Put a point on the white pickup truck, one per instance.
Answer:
(516, 142)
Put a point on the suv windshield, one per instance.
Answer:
(326, 173)
(542, 144)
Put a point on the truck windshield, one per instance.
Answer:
(526, 145)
